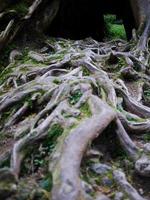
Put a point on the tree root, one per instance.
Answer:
(133, 106)
(126, 142)
(35, 135)
(141, 159)
(67, 185)
(131, 192)
(76, 91)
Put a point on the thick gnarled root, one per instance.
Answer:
(74, 87)
(67, 184)
(129, 190)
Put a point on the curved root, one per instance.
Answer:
(67, 183)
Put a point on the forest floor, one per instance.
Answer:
(51, 95)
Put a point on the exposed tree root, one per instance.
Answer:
(67, 184)
(126, 142)
(73, 87)
(126, 187)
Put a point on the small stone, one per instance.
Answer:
(100, 168)
(107, 181)
(119, 196)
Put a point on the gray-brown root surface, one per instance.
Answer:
(71, 115)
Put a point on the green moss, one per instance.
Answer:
(25, 59)
(85, 110)
(28, 60)
(117, 31)
(114, 30)
(103, 94)
(146, 137)
(5, 74)
(56, 81)
(40, 155)
(130, 118)
(55, 131)
(121, 63)
(58, 148)
(7, 114)
(2, 136)
(56, 57)
(75, 97)
(49, 144)
(109, 19)
(86, 72)
(147, 93)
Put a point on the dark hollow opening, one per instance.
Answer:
(78, 19)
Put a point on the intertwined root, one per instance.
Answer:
(76, 88)
(67, 184)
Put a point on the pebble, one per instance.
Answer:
(119, 196)
(107, 181)
(100, 168)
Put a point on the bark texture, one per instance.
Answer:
(73, 112)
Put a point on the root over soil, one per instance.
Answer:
(56, 103)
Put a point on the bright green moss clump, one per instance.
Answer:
(114, 28)
(75, 97)
(117, 31)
